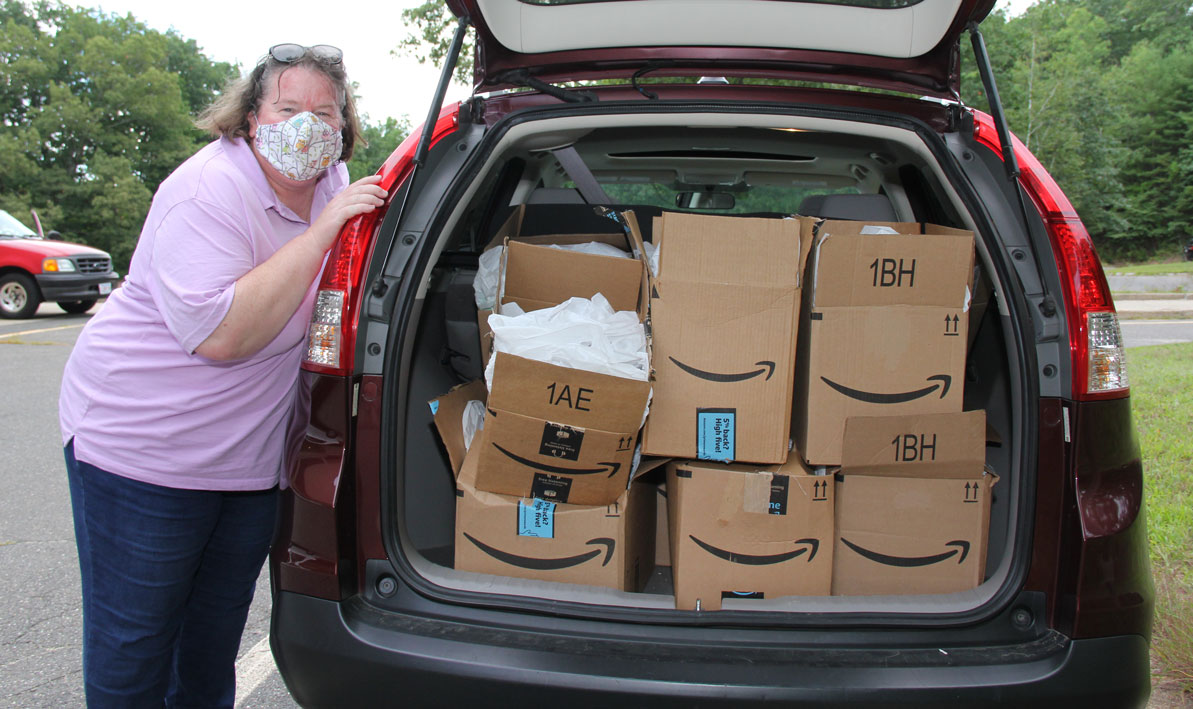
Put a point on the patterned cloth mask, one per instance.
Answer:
(301, 147)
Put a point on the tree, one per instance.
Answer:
(436, 26)
(382, 138)
(1051, 65)
(95, 111)
(1154, 90)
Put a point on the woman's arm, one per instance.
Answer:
(267, 297)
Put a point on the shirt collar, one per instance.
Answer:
(330, 183)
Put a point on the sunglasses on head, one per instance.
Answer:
(289, 52)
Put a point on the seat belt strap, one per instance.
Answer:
(574, 166)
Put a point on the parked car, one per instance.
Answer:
(1189, 251)
(34, 270)
(367, 607)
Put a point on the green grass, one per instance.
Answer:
(1150, 269)
(1162, 400)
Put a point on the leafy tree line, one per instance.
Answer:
(96, 110)
(1101, 91)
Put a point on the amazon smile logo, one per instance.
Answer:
(610, 468)
(536, 564)
(767, 366)
(810, 546)
(960, 547)
(942, 382)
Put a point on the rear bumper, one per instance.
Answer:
(350, 654)
(75, 286)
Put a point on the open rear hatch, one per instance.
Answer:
(900, 45)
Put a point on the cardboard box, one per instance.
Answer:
(535, 276)
(883, 330)
(724, 315)
(607, 545)
(738, 531)
(559, 434)
(447, 412)
(913, 505)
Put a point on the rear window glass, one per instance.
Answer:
(754, 200)
(879, 4)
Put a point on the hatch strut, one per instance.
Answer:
(1010, 163)
(424, 141)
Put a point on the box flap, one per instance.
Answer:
(924, 445)
(746, 251)
(448, 411)
(573, 396)
(535, 275)
(923, 264)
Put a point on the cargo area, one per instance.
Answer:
(835, 404)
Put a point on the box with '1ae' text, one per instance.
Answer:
(913, 505)
(724, 312)
(558, 433)
(884, 328)
(748, 532)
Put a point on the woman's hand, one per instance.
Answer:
(360, 197)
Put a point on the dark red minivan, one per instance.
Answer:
(843, 109)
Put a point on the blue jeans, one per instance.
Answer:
(168, 576)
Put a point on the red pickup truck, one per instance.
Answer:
(34, 269)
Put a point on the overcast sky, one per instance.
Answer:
(241, 31)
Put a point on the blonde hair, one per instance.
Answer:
(228, 115)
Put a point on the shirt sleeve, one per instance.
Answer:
(198, 253)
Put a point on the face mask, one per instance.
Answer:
(300, 148)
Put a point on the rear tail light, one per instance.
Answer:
(1095, 340)
(324, 338)
(331, 336)
(332, 331)
(1107, 366)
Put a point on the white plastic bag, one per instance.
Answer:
(472, 420)
(652, 257)
(596, 248)
(488, 275)
(578, 333)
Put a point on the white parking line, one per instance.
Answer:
(44, 329)
(253, 668)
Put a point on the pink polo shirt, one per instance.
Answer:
(136, 399)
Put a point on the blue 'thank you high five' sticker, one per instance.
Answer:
(536, 518)
(715, 434)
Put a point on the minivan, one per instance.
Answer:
(846, 109)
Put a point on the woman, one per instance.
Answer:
(181, 398)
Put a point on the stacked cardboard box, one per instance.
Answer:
(536, 276)
(601, 545)
(883, 331)
(913, 505)
(557, 433)
(881, 349)
(740, 531)
(724, 311)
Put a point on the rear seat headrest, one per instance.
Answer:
(867, 207)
